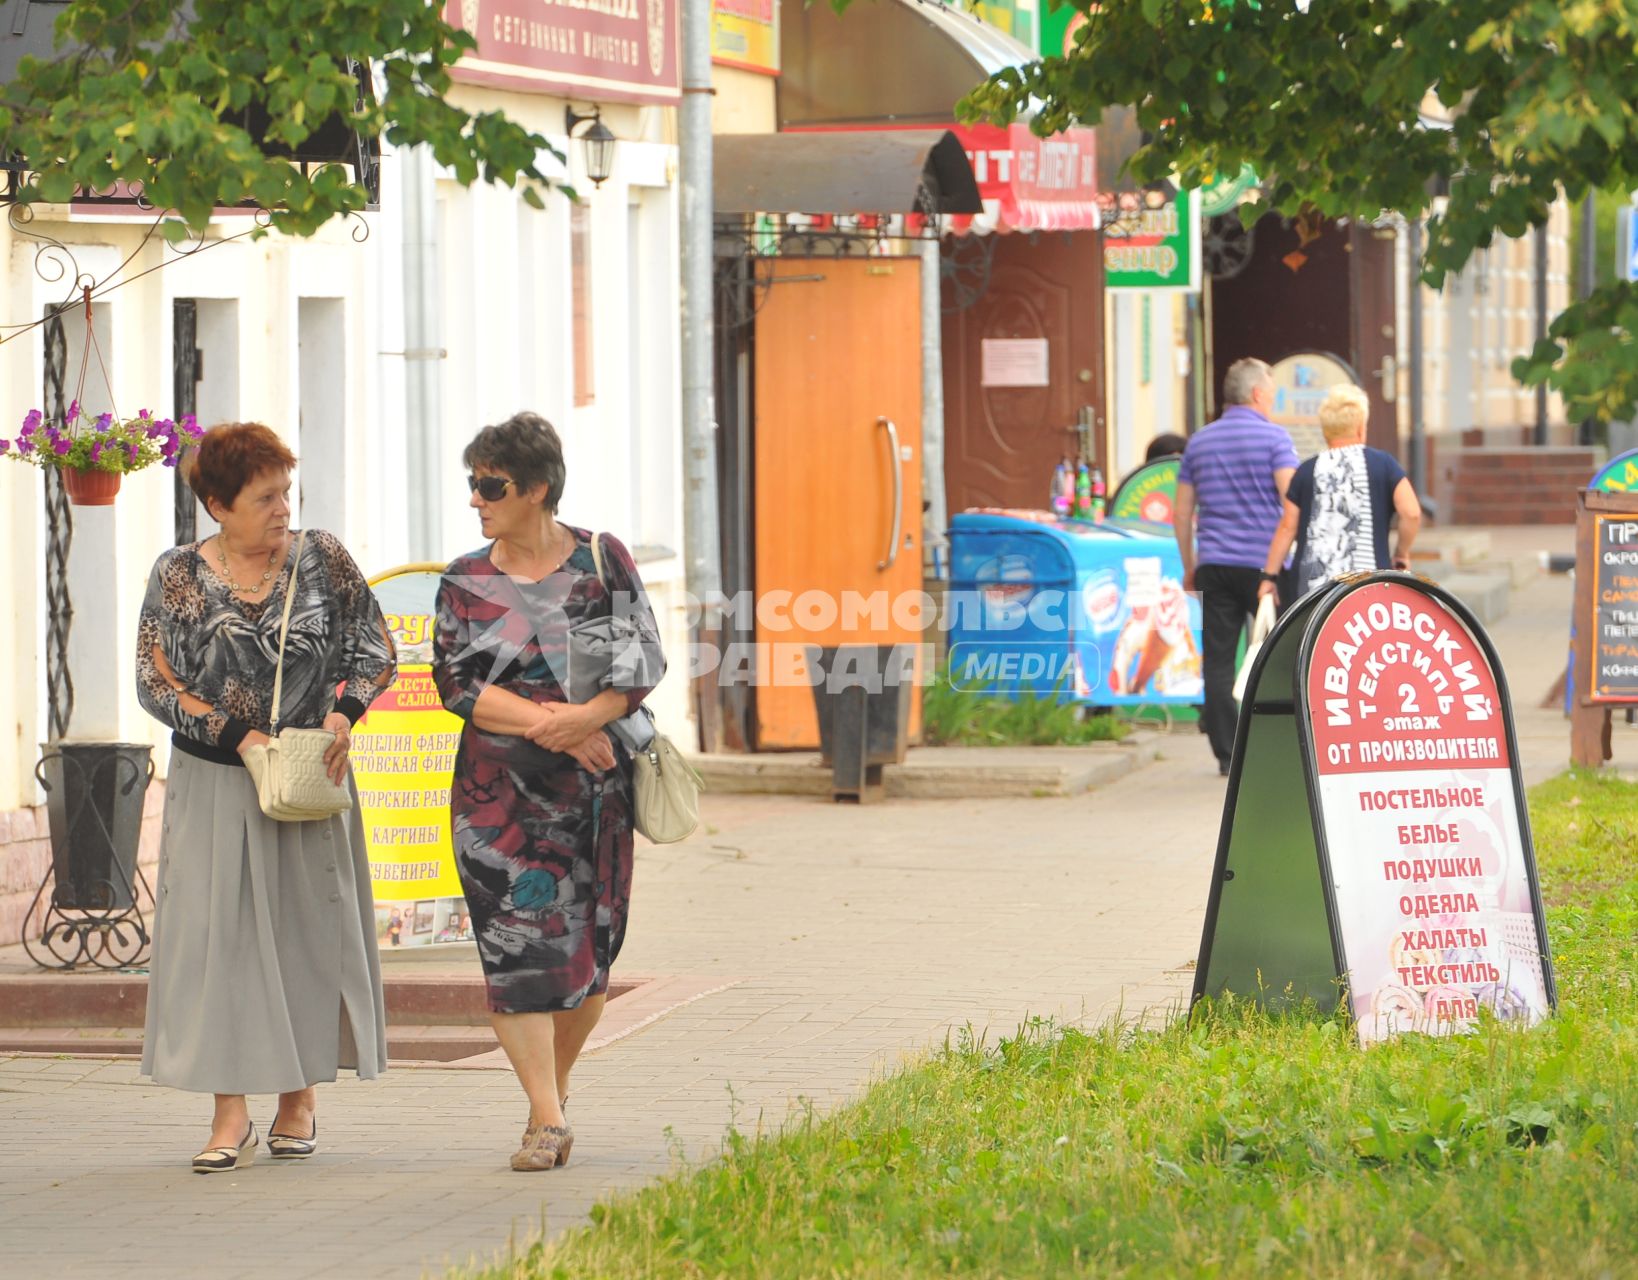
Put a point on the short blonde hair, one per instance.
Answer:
(1344, 412)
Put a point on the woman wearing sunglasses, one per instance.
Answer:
(542, 803)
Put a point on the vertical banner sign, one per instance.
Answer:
(403, 758)
(1432, 884)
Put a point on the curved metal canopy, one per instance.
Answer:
(855, 68)
(899, 171)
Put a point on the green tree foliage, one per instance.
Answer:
(158, 93)
(1335, 102)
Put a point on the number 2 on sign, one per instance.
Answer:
(1407, 702)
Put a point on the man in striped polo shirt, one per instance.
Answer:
(1230, 493)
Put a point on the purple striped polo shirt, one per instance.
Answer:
(1231, 464)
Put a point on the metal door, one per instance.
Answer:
(1002, 442)
(837, 474)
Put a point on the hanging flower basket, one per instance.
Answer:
(93, 453)
(89, 488)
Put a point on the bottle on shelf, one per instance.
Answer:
(1083, 492)
(1063, 489)
(1098, 503)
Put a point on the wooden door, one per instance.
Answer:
(1373, 314)
(1002, 443)
(838, 471)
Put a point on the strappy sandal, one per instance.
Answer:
(283, 1147)
(545, 1146)
(225, 1159)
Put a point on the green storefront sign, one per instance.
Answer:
(1155, 248)
(1055, 27)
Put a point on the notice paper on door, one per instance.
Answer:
(1015, 362)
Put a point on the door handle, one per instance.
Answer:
(897, 469)
(1389, 373)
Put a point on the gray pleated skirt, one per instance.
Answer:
(264, 976)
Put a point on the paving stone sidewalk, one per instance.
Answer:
(852, 935)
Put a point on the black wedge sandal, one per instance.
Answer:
(283, 1147)
(226, 1159)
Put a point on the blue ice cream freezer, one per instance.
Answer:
(1093, 613)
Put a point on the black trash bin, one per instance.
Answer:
(94, 795)
(862, 693)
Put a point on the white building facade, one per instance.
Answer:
(570, 311)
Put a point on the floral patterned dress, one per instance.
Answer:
(542, 846)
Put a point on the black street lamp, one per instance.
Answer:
(598, 140)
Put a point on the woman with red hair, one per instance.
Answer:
(264, 976)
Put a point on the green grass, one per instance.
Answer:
(978, 717)
(1238, 1144)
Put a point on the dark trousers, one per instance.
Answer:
(1228, 598)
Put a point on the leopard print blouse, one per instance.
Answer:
(223, 650)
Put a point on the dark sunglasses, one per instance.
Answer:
(489, 488)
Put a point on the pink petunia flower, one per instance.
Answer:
(62, 445)
(31, 420)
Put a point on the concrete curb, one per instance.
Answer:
(942, 773)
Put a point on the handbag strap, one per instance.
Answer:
(284, 634)
(597, 557)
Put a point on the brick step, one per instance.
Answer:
(1468, 497)
(405, 1043)
(1500, 517)
(75, 1000)
(1515, 466)
(1524, 476)
(1511, 513)
(1506, 453)
(1489, 502)
(1537, 485)
(1543, 479)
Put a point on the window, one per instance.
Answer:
(585, 387)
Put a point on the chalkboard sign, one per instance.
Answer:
(1615, 596)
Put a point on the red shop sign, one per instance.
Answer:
(609, 50)
(1041, 184)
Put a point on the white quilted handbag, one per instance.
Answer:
(292, 784)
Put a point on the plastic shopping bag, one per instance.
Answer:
(1261, 625)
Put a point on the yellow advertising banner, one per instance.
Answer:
(745, 33)
(404, 759)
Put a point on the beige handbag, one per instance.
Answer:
(666, 788)
(667, 792)
(292, 783)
